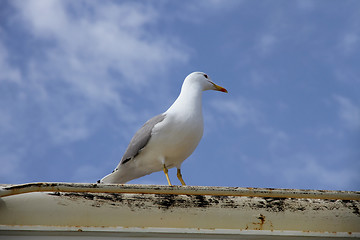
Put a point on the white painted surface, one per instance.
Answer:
(76, 213)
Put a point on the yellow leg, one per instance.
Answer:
(180, 177)
(167, 175)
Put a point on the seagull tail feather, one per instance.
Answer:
(114, 178)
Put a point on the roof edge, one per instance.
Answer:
(9, 190)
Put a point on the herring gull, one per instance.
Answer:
(167, 139)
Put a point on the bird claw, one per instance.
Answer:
(167, 175)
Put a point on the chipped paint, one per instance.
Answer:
(268, 211)
(9, 190)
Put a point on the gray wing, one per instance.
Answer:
(141, 138)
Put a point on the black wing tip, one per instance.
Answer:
(126, 160)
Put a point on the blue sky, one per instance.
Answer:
(78, 78)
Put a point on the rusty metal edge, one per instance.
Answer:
(9, 190)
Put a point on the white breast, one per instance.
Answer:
(175, 139)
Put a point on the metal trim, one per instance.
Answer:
(9, 190)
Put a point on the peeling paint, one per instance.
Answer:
(169, 201)
(8, 190)
(165, 207)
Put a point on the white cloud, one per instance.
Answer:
(11, 170)
(217, 5)
(198, 11)
(278, 139)
(307, 167)
(266, 43)
(5, 121)
(99, 39)
(348, 112)
(71, 127)
(261, 76)
(257, 78)
(328, 131)
(239, 111)
(300, 170)
(347, 74)
(8, 72)
(350, 42)
(242, 112)
(90, 55)
(306, 5)
(79, 62)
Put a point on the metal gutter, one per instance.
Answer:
(71, 210)
(9, 190)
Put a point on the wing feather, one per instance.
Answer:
(141, 138)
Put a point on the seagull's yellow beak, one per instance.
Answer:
(218, 88)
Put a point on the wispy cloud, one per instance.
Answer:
(198, 11)
(266, 43)
(303, 170)
(350, 42)
(310, 169)
(8, 72)
(77, 78)
(296, 166)
(238, 111)
(11, 168)
(101, 38)
(348, 112)
(346, 74)
(78, 65)
(278, 140)
(92, 57)
(217, 5)
(306, 5)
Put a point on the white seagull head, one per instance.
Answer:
(201, 81)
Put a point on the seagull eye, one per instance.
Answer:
(206, 76)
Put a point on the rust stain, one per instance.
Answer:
(261, 223)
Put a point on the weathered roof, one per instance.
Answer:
(162, 211)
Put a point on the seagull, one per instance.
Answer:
(167, 139)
